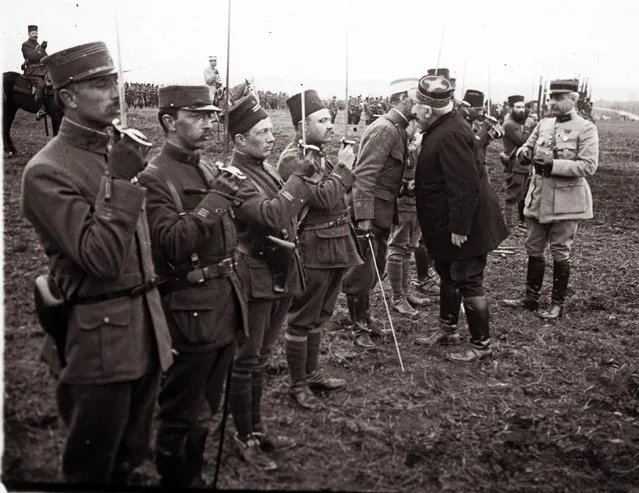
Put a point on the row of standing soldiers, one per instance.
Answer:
(141, 95)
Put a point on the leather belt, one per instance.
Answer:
(133, 292)
(249, 250)
(197, 276)
(330, 224)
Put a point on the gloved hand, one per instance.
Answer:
(44, 45)
(126, 159)
(346, 155)
(306, 167)
(228, 181)
(407, 188)
(543, 165)
(525, 155)
(365, 225)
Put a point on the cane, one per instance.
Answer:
(379, 278)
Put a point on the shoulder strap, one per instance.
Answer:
(155, 171)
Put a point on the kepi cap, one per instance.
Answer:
(433, 90)
(78, 63)
(474, 98)
(212, 57)
(563, 86)
(244, 114)
(515, 99)
(32, 28)
(192, 98)
(312, 103)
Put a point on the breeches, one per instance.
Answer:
(404, 237)
(466, 275)
(315, 305)
(559, 235)
(362, 278)
(516, 187)
(109, 428)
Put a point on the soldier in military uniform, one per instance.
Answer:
(328, 245)
(194, 240)
(269, 265)
(404, 236)
(459, 215)
(563, 150)
(378, 179)
(212, 77)
(333, 108)
(84, 202)
(517, 128)
(34, 69)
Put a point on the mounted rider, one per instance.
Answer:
(34, 69)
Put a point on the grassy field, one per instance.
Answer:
(555, 410)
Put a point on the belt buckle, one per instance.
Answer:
(226, 266)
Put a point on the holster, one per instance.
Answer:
(279, 261)
(53, 313)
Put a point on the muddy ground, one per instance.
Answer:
(555, 410)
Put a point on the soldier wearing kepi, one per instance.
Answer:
(194, 241)
(89, 212)
(378, 179)
(212, 77)
(517, 128)
(459, 215)
(563, 150)
(34, 70)
(328, 245)
(269, 266)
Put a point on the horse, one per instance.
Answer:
(16, 94)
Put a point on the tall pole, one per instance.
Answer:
(489, 91)
(441, 44)
(346, 103)
(123, 119)
(228, 68)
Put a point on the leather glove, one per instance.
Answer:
(126, 159)
(346, 155)
(365, 225)
(44, 45)
(525, 155)
(306, 167)
(407, 188)
(543, 165)
(228, 181)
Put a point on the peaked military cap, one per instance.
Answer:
(403, 85)
(244, 114)
(474, 98)
(562, 86)
(434, 90)
(82, 62)
(515, 99)
(212, 57)
(312, 103)
(192, 98)
(32, 28)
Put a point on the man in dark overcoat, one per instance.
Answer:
(459, 215)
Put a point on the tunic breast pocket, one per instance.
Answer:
(192, 312)
(567, 149)
(570, 197)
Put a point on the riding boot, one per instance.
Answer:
(421, 263)
(411, 298)
(534, 281)
(357, 311)
(561, 275)
(478, 317)
(449, 305)
(399, 303)
(374, 324)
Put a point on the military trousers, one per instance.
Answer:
(516, 187)
(109, 428)
(559, 235)
(404, 237)
(314, 307)
(190, 376)
(37, 81)
(465, 275)
(361, 279)
(266, 318)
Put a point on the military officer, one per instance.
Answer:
(517, 128)
(212, 76)
(34, 70)
(328, 246)
(333, 108)
(404, 236)
(459, 215)
(84, 202)
(268, 264)
(378, 179)
(194, 240)
(563, 150)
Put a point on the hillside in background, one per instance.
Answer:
(629, 106)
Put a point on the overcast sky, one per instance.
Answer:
(501, 46)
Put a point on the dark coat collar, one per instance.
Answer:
(240, 157)
(440, 121)
(180, 154)
(83, 137)
(396, 119)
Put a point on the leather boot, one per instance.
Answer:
(399, 302)
(560, 278)
(412, 299)
(449, 304)
(534, 281)
(478, 317)
(421, 263)
(375, 325)
(317, 381)
(357, 310)
(304, 397)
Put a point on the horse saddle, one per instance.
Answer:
(23, 86)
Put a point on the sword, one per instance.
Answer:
(390, 320)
